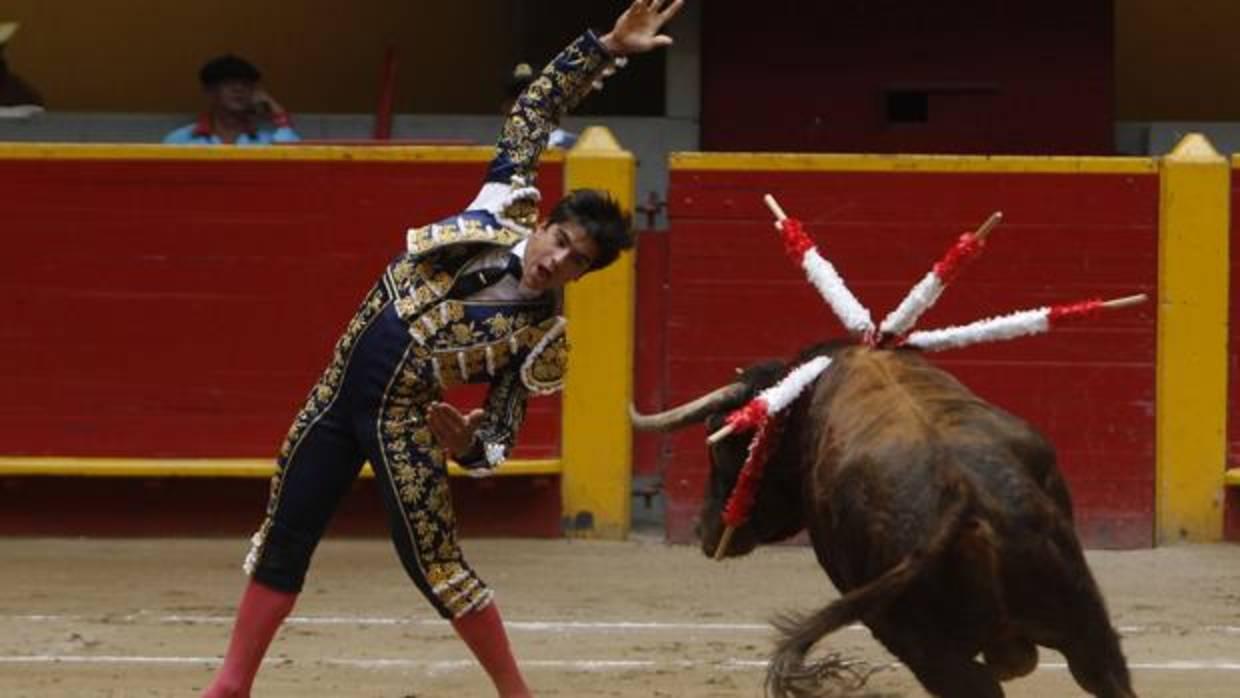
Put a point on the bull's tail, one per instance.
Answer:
(787, 676)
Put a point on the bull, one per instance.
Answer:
(943, 521)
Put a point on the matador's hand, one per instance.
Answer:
(453, 430)
(637, 30)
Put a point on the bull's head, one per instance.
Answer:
(777, 511)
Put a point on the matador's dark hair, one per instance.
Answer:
(601, 218)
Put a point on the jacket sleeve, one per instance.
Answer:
(504, 411)
(560, 87)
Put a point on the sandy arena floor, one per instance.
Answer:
(151, 617)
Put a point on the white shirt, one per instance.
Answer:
(507, 288)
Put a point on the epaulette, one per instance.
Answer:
(470, 227)
(543, 370)
(519, 210)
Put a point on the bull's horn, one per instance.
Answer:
(691, 412)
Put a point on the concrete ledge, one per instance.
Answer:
(55, 466)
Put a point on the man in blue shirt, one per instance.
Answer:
(236, 107)
(14, 91)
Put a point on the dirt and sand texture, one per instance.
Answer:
(640, 618)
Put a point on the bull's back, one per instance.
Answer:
(944, 521)
(902, 441)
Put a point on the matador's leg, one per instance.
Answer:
(412, 473)
(316, 467)
(413, 479)
(320, 457)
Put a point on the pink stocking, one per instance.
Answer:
(483, 632)
(259, 616)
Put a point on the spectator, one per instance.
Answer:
(16, 95)
(521, 77)
(237, 106)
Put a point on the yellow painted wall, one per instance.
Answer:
(597, 441)
(1174, 61)
(316, 55)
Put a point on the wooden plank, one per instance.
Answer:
(957, 200)
(15, 466)
(183, 307)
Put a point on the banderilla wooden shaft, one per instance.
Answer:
(772, 204)
(989, 225)
(1125, 301)
(721, 434)
(724, 541)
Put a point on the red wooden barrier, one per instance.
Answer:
(649, 379)
(182, 308)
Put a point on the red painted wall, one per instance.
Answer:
(734, 298)
(650, 345)
(184, 308)
(1002, 77)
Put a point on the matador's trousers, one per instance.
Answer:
(369, 405)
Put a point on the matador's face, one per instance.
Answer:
(556, 254)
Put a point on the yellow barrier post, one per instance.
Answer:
(597, 444)
(1191, 383)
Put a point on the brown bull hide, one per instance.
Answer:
(942, 520)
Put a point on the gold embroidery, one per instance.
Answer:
(551, 364)
(418, 470)
(463, 332)
(406, 307)
(499, 324)
(543, 370)
(402, 271)
(438, 575)
(456, 231)
(557, 89)
(500, 353)
(523, 211)
(423, 294)
(468, 343)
